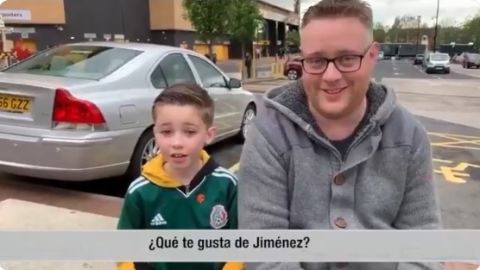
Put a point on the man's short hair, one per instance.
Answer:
(358, 9)
(187, 94)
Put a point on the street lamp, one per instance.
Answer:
(436, 28)
(419, 18)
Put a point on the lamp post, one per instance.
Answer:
(419, 18)
(436, 28)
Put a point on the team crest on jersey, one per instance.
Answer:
(218, 216)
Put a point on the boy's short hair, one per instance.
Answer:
(358, 9)
(187, 94)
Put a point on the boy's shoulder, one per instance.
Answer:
(224, 175)
(140, 185)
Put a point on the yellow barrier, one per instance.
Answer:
(277, 70)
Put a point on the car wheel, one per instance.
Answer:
(247, 121)
(144, 151)
(292, 74)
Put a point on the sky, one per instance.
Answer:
(385, 11)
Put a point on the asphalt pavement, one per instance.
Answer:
(404, 68)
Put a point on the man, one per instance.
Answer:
(248, 64)
(334, 150)
(21, 52)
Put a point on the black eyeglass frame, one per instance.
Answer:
(332, 60)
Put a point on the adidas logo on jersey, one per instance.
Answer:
(158, 220)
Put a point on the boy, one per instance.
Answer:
(181, 188)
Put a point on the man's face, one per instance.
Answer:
(335, 94)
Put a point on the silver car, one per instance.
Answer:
(83, 111)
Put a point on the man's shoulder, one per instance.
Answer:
(403, 127)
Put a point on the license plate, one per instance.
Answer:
(439, 67)
(16, 104)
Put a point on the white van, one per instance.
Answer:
(437, 62)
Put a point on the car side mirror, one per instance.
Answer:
(234, 83)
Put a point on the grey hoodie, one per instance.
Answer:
(292, 177)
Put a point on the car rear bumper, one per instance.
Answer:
(72, 158)
(438, 69)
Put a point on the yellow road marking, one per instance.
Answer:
(456, 174)
(442, 161)
(476, 142)
(455, 140)
(235, 167)
(457, 147)
(454, 135)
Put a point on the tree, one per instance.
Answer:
(293, 38)
(209, 18)
(379, 34)
(243, 20)
(471, 31)
(292, 17)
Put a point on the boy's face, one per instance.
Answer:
(180, 134)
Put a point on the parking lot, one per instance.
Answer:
(446, 104)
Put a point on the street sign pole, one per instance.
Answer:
(3, 29)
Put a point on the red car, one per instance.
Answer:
(292, 68)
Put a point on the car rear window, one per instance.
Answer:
(474, 56)
(439, 57)
(82, 62)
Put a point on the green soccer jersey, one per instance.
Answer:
(155, 201)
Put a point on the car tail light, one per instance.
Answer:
(70, 112)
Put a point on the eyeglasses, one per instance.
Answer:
(343, 63)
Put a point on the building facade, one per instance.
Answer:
(40, 24)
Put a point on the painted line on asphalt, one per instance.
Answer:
(234, 169)
(442, 161)
(455, 136)
(457, 141)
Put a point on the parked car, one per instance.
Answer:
(381, 55)
(83, 111)
(437, 62)
(471, 60)
(292, 68)
(458, 59)
(418, 60)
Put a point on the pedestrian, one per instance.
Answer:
(248, 64)
(21, 51)
(214, 58)
(182, 187)
(335, 150)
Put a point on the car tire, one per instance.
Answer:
(247, 120)
(144, 151)
(292, 74)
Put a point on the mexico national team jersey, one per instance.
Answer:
(155, 201)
